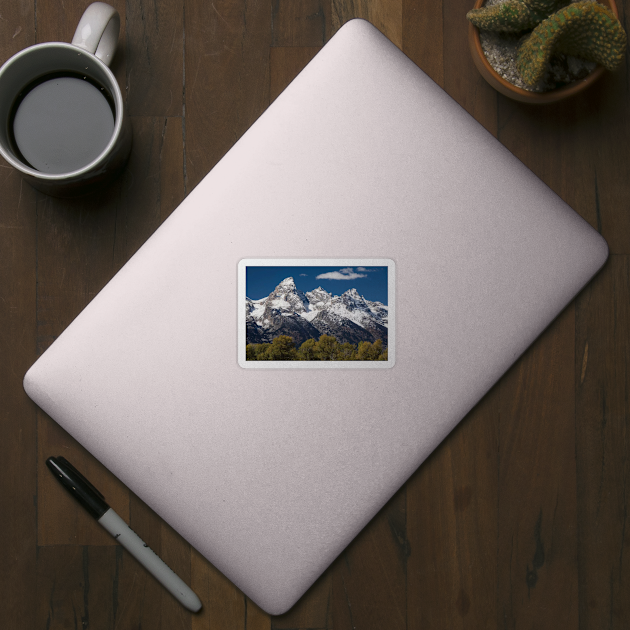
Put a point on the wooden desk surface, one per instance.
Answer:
(518, 520)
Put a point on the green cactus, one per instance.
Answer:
(583, 29)
(513, 16)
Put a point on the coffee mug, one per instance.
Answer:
(62, 115)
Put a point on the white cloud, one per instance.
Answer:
(303, 274)
(364, 269)
(343, 274)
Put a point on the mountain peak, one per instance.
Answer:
(288, 283)
(289, 311)
(353, 293)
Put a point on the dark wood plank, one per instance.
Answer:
(452, 527)
(18, 416)
(386, 15)
(76, 587)
(300, 23)
(603, 445)
(57, 22)
(154, 57)
(537, 538)
(171, 159)
(17, 27)
(609, 136)
(369, 587)
(422, 36)
(226, 78)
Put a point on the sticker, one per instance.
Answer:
(316, 313)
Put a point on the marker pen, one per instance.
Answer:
(94, 502)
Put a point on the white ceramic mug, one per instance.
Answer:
(87, 58)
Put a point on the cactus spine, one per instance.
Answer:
(583, 29)
(513, 16)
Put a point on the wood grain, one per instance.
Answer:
(76, 587)
(537, 537)
(602, 381)
(18, 416)
(154, 57)
(18, 324)
(518, 520)
(300, 23)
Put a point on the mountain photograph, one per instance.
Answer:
(316, 313)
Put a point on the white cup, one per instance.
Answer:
(87, 58)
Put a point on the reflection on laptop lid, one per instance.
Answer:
(317, 315)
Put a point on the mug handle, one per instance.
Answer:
(98, 30)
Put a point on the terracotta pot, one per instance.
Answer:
(508, 89)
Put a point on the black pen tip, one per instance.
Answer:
(80, 488)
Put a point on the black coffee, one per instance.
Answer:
(62, 123)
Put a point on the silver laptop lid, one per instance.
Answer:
(363, 166)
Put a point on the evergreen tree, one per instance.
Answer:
(306, 351)
(282, 348)
(363, 350)
(326, 348)
(262, 351)
(346, 352)
(369, 352)
(377, 349)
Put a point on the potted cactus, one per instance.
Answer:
(557, 49)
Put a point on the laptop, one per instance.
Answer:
(316, 316)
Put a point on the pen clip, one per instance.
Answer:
(64, 462)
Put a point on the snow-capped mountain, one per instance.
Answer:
(288, 311)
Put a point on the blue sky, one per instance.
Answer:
(370, 282)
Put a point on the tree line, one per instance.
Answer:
(326, 348)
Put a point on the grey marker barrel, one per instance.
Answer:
(149, 559)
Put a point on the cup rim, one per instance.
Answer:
(118, 122)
